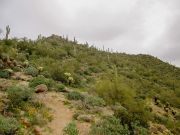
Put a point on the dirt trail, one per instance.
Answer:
(62, 115)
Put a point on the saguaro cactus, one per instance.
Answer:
(7, 31)
(1, 31)
(75, 41)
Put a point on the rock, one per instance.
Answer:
(86, 118)
(14, 62)
(21, 76)
(41, 88)
(66, 90)
(37, 130)
(20, 66)
(25, 122)
(22, 113)
(10, 71)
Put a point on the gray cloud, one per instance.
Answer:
(132, 26)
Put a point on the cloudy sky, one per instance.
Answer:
(131, 26)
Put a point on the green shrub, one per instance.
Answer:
(31, 71)
(37, 119)
(71, 129)
(60, 87)
(4, 74)
(109, 125)
(8, 126)
(114, 89)
(46, 74)
(17, 69)
(57, 73)
(161, 119)
(41, 80)
(94, 101)
(138, 129)
(19, 95)
(75, 96)
(134, 112)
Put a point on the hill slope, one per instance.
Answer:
(137, 84)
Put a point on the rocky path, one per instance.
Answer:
(62, 115)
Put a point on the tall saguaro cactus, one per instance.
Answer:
(7, 31)
(1, 31)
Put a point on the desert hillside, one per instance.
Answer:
(55, 86)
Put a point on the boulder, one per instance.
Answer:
(85, 118)
(37, 130)
(41, 88)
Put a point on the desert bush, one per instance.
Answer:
(21, 57)
(71, 129)
(18, 96)
(94, 69)
(114, 90)
(46, 74)
(138, 129)
(109, 125)
(137, 112)
(17, 69)
(4, 102)
(160, 119)
(74, 95)
(167, 121)
(57, 73)
(4, 74)
(37, 119)
(8, 126)
(41, 80)
(31, 71)
(94, 101)
(60, 87)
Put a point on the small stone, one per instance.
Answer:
(25, 122)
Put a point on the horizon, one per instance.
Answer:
(111, 50)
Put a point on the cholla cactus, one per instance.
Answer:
(70, 79)
(67, 74)
(75, 41)
(40, 69)
(26, 63)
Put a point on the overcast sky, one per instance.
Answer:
(131, 26)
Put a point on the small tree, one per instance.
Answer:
(7, 31)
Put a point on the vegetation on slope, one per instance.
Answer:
(127, 82)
